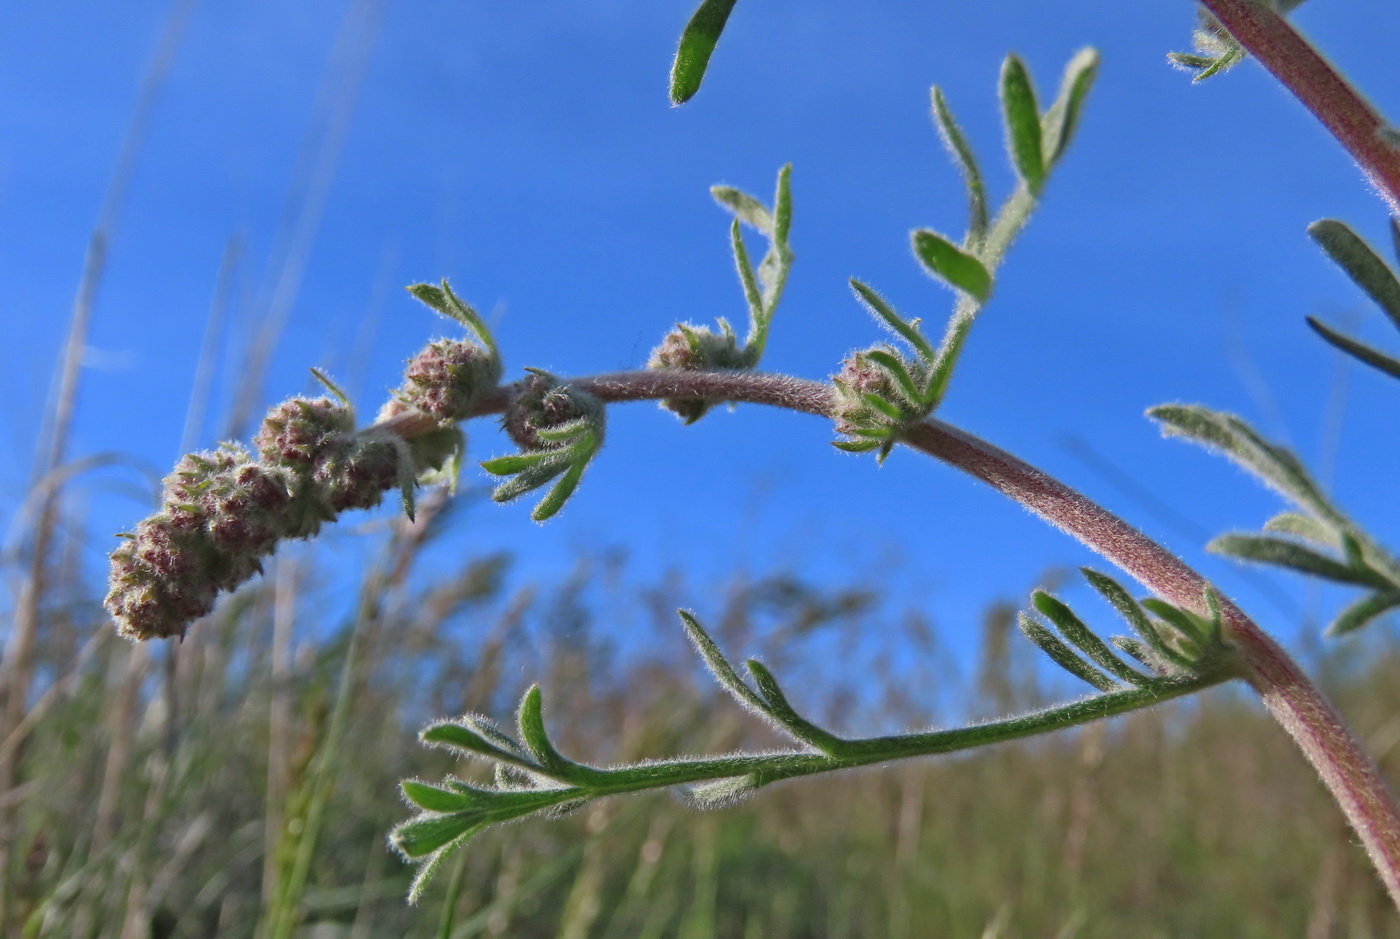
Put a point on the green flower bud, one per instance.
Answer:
(295, 431)
(449, 377)
(357, 471)
(544, 404)
(689, 348)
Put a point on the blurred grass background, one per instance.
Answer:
(241, 783)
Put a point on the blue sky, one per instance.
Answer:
(528, 153)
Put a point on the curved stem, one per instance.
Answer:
(1346, 769)
(1358, 127)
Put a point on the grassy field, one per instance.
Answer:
(241, 783)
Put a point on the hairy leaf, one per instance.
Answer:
(697, 43)
(1361, 263)
(1372, 357)
(963, 156)
(1022, 116)
(952, 264)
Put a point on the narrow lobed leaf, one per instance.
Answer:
(1281, 552)
(719, 666)
(1304, 526)
(966, 160)
(1358, 350)
(746, 208)
(1361, 263)
(422, 836)
(336, 391)
(1275, 466)
(899, 373)
(1193, 631)
(1362, 612)
(433, 798)
(786, 715)
(697, 44)
(1062, 117)
(887, 315)
(1073, 629)
(952, 264)
(1062, 655)
(560, 492)
(746, 275)
(534, 735)
(1022, 117)
(782, 207)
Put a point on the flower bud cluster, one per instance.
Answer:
(544, 405)
(876, 395)
(222, 512)
(859, 376)
(689, 348)
(448, 378)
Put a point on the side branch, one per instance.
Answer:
(1346, 769)
(1360, 129)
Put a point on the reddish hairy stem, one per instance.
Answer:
(1270, 38)
(1346, 769)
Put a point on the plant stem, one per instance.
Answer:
(1346, 769)
(1281, 49)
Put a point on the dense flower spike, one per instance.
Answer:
(222, 512)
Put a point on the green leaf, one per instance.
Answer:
(559, 493)
(433, 863)
(781, 711)
(697, 44)
(1283, 553)
(1073, 629)
(1022, 117)
(1128, 608)
(746, 276)
(518, 462)
(332, 387)
(782, 207)
(1275, 466)
(475, 735)
(963, 156)
(1192, 630)
(536, 738)
(856, 446)
(1303, 526)
(531, 478)
(886, 314)
(408, 477)
(434, 799)
(444, 301)
(1361, 263)
(1062, 655)
(1362, 612)
(719, 666)
(746, 208)
(1372, 357)
(422, 836)
(952, 264)
(899, 373)
(886, 408)
(720, 793)
(1062, 117)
